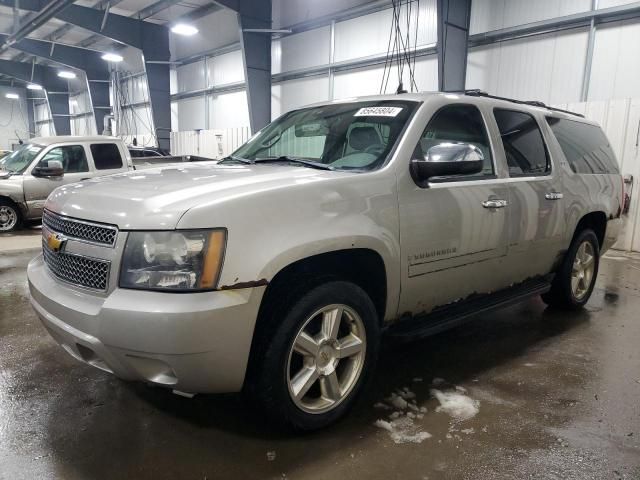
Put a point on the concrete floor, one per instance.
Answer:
(558, 397)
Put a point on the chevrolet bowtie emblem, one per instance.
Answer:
(56, 242)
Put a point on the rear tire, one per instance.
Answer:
(573, 284)
(316, 357)
(10, 218)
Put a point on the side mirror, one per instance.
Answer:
(54, 168)
(447, 159)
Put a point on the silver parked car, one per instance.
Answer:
(34, 170)
(276, 270)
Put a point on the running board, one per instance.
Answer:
(444, 318)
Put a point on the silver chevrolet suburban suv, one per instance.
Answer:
(277, 270)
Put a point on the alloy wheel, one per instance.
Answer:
(8, 218)
(582, 271)
(326, 358)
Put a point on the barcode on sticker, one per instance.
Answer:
(378, 112)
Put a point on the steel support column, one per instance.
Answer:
(256, 50)
(453, 36)
(57, 89)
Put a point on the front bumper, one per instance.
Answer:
(194, 342)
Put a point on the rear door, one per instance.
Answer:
(76, 168)
(536, 198)
(453, 231)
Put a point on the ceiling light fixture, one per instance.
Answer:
(112, 57)
(66, 74)
(12, 96)
(184, 29)
(34, 86)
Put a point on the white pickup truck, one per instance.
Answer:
(37, 168)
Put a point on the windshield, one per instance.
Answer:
(343, 136)
(20, 159)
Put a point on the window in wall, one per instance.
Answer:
(523, 143)
(106, 156)
(585, 146)
(458, 124)
(72, 157)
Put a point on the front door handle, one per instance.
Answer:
(494, 203)
(553, 196)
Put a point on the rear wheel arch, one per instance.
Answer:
(596, 221)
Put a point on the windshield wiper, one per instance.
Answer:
(300, 161)
(232, 158)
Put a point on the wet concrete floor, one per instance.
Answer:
(555, 396)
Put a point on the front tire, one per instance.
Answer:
(317, 357)
(574, 282)
(9, 216)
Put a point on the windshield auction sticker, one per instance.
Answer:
(378, 112)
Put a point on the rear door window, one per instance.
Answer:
(585, 146)
(523, 143)
(106, 156)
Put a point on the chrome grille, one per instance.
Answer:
(77, 269)
(80, 229)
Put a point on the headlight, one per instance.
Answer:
(181, 260)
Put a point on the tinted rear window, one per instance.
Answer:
(585, 146)
(523, 143)
(106, 156)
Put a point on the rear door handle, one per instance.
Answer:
(554, 196)
(494, 203)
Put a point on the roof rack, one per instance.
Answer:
(534, 103)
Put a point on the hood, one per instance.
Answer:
(157, 198)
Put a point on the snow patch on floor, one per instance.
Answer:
(455, 404)
(403, 430)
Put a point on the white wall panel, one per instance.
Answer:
(216, 143)
(367, 81)
(135, 89)
(616, 61)
(227, 110)
(301, 50)
(173, 81)
(225, 69)
(175, 121)
(369, 34)
(489, 15)
(546, 67)
(84, 125)
(41, 112)
(614, 3)
(191, 113)
(13, 117)
(286, 96)
(191, 76)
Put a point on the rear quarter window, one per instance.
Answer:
(106, 156)
(585, 146)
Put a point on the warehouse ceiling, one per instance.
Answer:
(61, 32)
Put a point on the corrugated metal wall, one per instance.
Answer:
(209, 143)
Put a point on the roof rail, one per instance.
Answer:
(533, 103)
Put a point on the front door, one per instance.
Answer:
(37, 189)
(453, 232)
